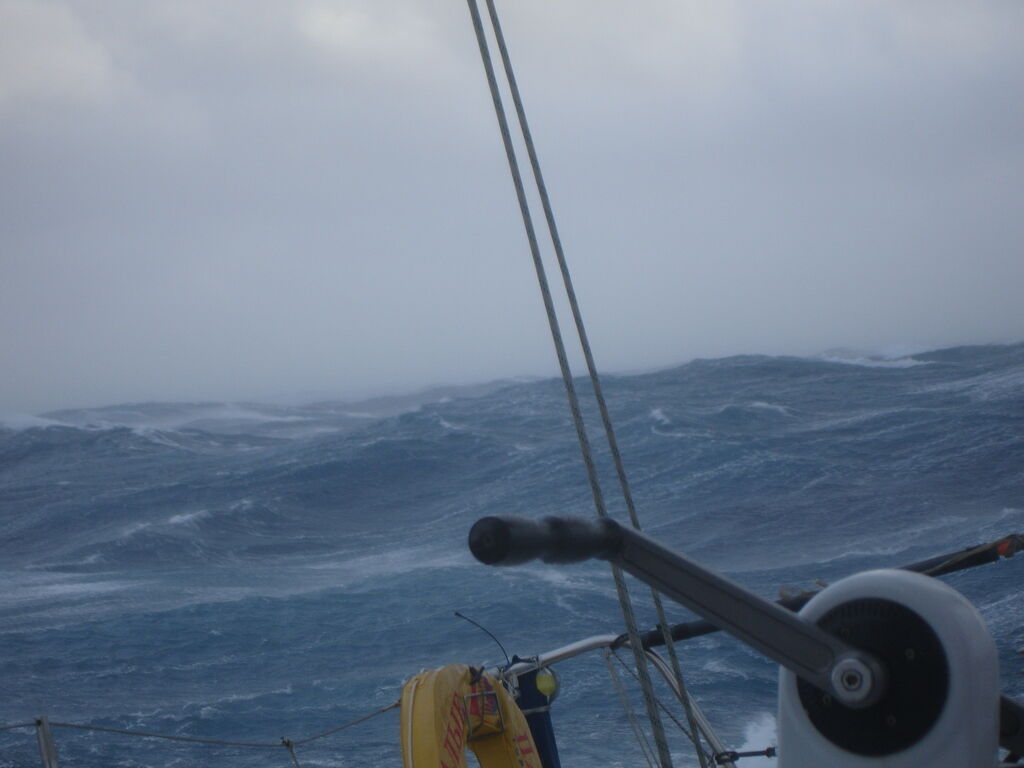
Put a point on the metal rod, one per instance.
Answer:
(939, 565)
(853, 676)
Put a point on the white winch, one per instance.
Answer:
(887, 668)
(941, 703)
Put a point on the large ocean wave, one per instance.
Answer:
(233, 570)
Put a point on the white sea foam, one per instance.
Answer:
(560, 581)
(856, 418)
(285, 691)
(987, 386)
(784, 410)
(872, 362)
(130, 530)
(719, 669)
(659, 416)
(188, 517)
(662, 421)
(760, 733)
(891, 356)
(48, 591)
(1008, 512)
(20, 421)
(346, 570)
(899, 540)
(158, 436)
(155, 419)
(238, 413)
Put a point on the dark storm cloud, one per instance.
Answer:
(231, 200)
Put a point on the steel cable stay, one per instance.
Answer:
(620, 689)
(692, 735)
(595, 382)
(584, 340)
(574, 406)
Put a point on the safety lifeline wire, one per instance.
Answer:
(285, 743)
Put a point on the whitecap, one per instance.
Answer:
(238, 413)
(719, 668)
(890, 356)
(661, 433)
(760, 733)
(130, 530)
(659, 416)
(45, 590)
(784, 410)
(347, 570)
(22, 421)
(188, 517)
(874, 362)
(285, 691)
(987, 386)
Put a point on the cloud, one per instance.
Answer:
(47, 58)
(234, 198)
(366, 30)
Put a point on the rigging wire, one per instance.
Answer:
(595, 379)
(641, 737)
(556, 335)
(563, 363)
(708, 756)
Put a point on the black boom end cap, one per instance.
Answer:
(490, 540)
(515, 540)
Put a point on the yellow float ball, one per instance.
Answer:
(547, 683)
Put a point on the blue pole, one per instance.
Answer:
(537, 708)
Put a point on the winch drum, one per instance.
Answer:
(942, 703)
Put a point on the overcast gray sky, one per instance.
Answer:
(237, 199)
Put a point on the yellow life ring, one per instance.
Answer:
(446, 709)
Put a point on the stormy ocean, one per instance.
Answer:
(248, 572)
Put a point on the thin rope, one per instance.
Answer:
(641, 738)
(620, 584)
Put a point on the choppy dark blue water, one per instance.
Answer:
(253, 572)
